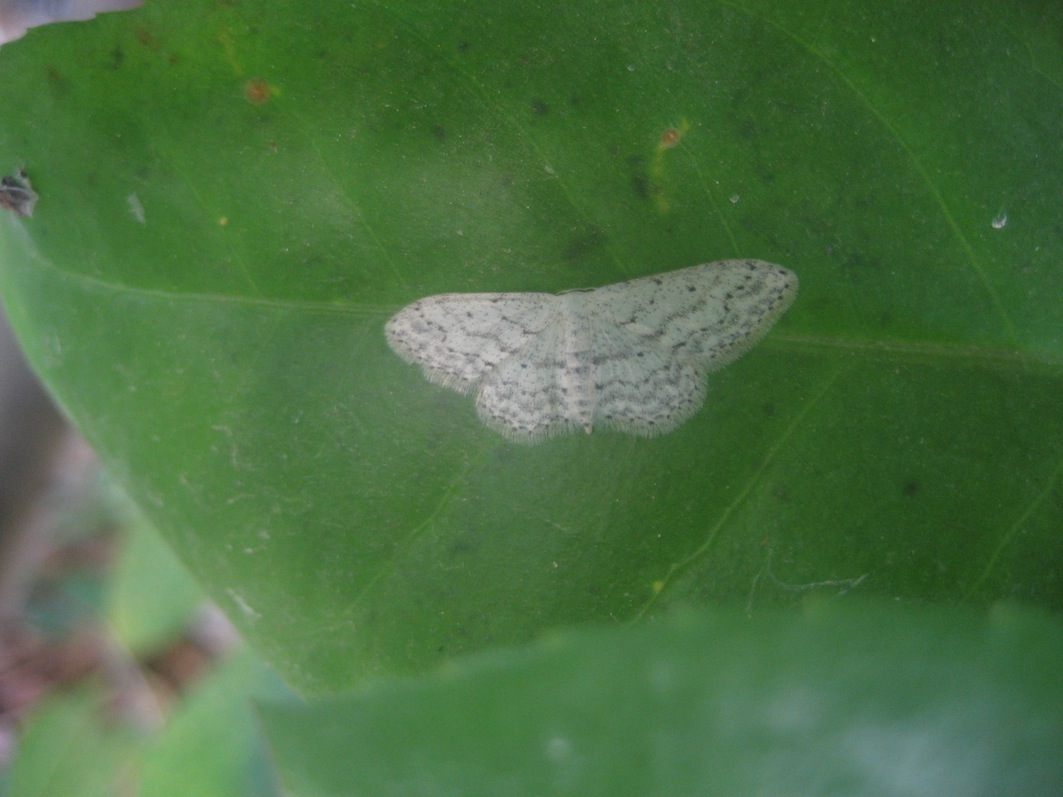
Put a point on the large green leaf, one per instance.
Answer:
(235, 197)
(869, 700)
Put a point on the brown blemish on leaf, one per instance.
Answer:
(146, 38)
(669, 138)
(257, 91)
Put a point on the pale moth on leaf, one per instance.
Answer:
(630, 356)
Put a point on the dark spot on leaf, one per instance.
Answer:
(56, 80)
(462, 545)
(144, 36)
(539, 107)
(583, 243)
(641, 182)
(910, 488)
(746, 129)
(855, 262)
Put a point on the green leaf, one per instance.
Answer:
(151, 598)
(865, 700)
(79, 745)
(212, 746)
(69, 748)
(233, 201)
